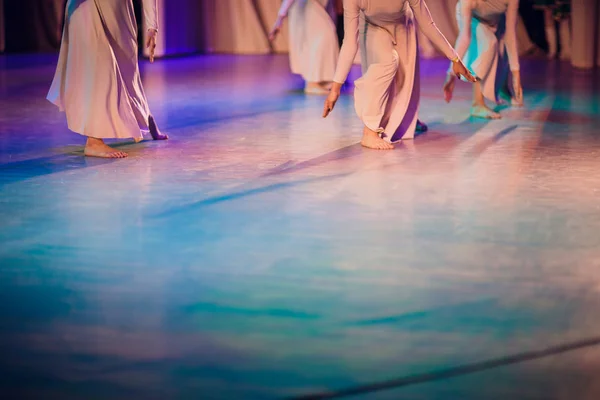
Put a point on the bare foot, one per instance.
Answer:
(97, 148)
(138, 139)
(326, 85)
(315, 88)
(154, 131)
(483, 111)
(371, 140)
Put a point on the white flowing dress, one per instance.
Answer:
(97, 81)
(314, 47)
(492, 45)
(386, 97)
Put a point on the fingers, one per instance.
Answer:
(469, 76)
(327, 108)
(447, 96)
(448, 89)
(152, 47)
(273, 34)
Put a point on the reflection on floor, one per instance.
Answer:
(262, 253)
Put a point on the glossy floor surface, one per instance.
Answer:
(262, 253)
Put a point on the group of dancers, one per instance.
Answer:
(97, 81)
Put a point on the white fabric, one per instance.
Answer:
(313, 39)
(97, 81)
(488, 16)
(385, 14)
(485, 46)
(387, 95)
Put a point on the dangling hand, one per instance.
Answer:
(332, 98)
(517, 88)
(459, 69)
(276, 28)
(151, 43)
(449, 87)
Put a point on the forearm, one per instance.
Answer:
(430, 29)
(350, 44)
(512, 51)
(512, 16)
(462, 44)
(150, 9)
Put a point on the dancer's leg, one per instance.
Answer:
(565, 39)
(550, 28)
(372, 140)
(479, 109)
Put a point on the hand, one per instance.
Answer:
(151, 42)
(276, 28)
(449, 87)
(460, 69)
(331, 99)
(517, 88)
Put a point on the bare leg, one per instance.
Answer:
(550, 28)
(565, 39)
(479, 109)
(372, 140)
(97, 148)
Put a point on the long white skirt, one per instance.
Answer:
(314, 46)
(97, 81)
(487, 57)
(387, 96)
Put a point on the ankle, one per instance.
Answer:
(369, 133)
(94, 142)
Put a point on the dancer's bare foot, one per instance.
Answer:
(138, 139)
(326, 85)
(97, 148)
(315, 88)
(483, 111)
(372, 140)
(154, 131)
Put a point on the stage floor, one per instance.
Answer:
(262, 253)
